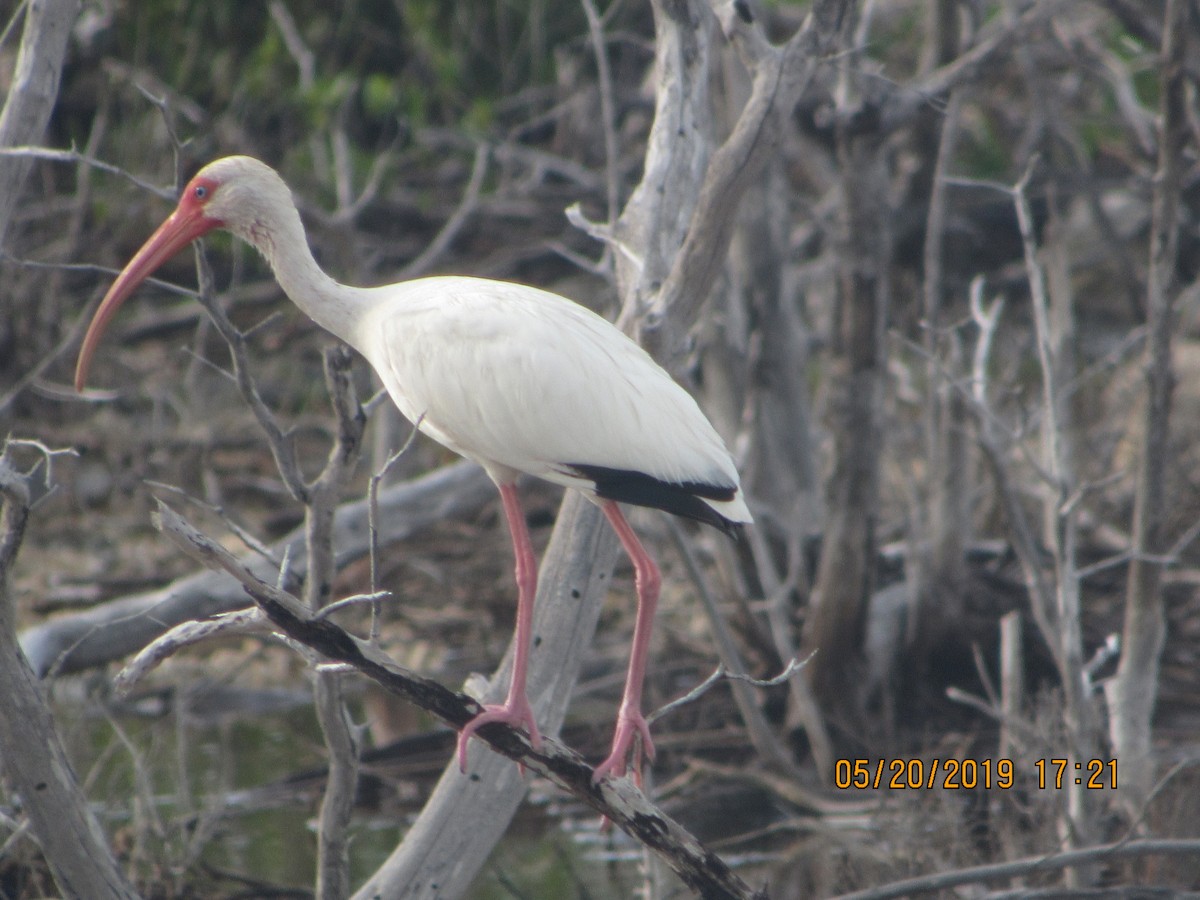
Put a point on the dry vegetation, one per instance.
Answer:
(954, 285)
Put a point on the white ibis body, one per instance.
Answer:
(513, 377)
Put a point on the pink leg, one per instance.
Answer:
(630, 721)
(515, 710)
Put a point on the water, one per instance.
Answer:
(203, 803)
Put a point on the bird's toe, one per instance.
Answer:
(515, 714)
(631, 741)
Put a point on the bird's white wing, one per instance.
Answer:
(520, 378)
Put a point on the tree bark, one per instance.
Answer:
(33, 93)
(1133, 693)
(846, 570)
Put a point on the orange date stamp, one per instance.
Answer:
(968, 774)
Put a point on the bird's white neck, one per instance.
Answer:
(279, 236)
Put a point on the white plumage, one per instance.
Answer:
(513, 377)
(506, 375)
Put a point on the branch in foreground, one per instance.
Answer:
(34, 760)
(244, 621)
(1027, 866)
(616, 799)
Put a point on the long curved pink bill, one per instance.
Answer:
(181, 228)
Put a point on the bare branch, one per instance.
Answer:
(612, 150)
(294, 41)
(450, 230)
(616, 799)
(32, 93)
(732, 666)
(282, 449)
(341, 738)
(780, 77)
(373, 522)
(719, 674)
(1028, 866)
(803, 701)
(966, 67)
(32, 756)
(111, 631)
(75, 157)
(246, 621)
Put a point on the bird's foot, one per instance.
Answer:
(512, 712)
(625, 746)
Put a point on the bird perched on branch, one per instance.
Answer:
(515, 378)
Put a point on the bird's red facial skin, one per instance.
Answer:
(188, 222)
(198, 193)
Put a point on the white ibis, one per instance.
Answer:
(515, 378)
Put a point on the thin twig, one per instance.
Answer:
(761, 735)
(75, 157)
(246, 621)
(373, 524)
(47, 453)
(13, 22)
(355, 600)
(243, 535)
(449, 231)
(719, 674)
(607, 110)
(804, 703)
(292, 39)
(282, 449)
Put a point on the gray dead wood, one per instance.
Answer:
(615, 798)
(32, 757)
(341, 739)
(33, 92)
(1133, 692)
(114, 630)
(439, 857)
(857, 376)
(1053, 319)
(939, 573)
(780, 75)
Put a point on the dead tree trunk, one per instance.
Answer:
(938, 573)
(845, 573)
(1133, 693)
(32, 756)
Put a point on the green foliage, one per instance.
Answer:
(426, 61)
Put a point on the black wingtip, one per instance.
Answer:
(678, 498)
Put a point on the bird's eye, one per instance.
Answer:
(200, 191)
